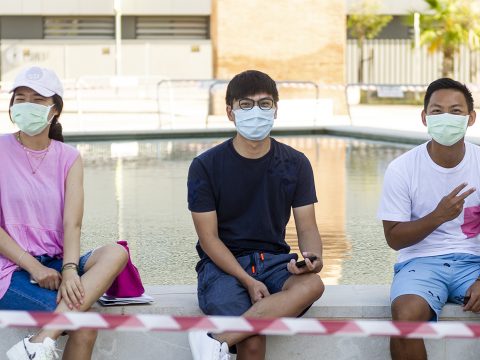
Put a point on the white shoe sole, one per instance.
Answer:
(192, 339)
(15, 354)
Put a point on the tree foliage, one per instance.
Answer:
(365, 22)
(448, 25)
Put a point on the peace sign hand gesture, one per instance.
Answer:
(451, 205)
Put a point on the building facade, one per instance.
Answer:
(80, 38)
(176, 39)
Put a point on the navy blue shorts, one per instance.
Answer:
(23, 295)
(222, 294)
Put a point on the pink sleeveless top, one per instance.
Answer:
(31, 205)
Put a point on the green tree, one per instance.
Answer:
(364, 22)
(450, 24)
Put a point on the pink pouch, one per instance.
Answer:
(128, 282)
(471, 221)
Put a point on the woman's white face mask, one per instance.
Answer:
(31, 118)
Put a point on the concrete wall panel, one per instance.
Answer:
(166, 7)
(104, 7)
(169, 59)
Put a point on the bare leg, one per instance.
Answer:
(298, 293)
(80, 345)
(100, 270)
(409, 308)
(252, 348)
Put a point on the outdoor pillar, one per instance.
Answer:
(117, 4)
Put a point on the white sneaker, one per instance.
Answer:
(203, 347)
(26, 350)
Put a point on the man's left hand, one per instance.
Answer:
(473, 296)
(310, 266)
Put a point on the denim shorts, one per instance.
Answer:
(437, 279)
(23, 295)
(220, 293)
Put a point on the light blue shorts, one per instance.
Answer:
(437, 279)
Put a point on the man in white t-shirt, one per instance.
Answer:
(431, 215)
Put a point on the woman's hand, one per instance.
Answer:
(46, 278)
(71, 289)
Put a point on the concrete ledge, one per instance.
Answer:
(364, 133)
(356, 132)
(338, 302)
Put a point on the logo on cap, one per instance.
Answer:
(35, 73)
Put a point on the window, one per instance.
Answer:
(79, 27)
(172, 27)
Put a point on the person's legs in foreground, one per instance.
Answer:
(420, 289)
(418, 293)
(298, 293)
(253, 347)
(100, 270)
(409, 308)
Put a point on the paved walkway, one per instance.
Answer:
(397, 118)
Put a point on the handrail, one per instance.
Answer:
(210, 103)
(170, 81)
(300, 82)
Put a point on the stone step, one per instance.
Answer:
(339, 302)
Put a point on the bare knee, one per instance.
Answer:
(252, 347)
(311, 287)
(85, 337)
(411, 308)
(316, 286)
(117, 254)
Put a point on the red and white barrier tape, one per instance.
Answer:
(279, 326)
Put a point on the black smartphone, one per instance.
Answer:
(302, 263)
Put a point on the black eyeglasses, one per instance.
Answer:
(263, 103)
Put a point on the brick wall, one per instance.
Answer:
(288, 39)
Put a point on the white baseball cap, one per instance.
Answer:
(44, 81)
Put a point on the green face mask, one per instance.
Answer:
(30, 118)
(447, 129)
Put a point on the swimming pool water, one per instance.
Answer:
(137, 191)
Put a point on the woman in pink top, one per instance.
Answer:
(41, 210)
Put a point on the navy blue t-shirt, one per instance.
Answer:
(253, 198)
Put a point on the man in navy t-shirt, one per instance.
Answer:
(241, 194)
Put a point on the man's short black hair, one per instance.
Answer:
(447, 83)
(249, 83)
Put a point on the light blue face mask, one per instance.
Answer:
(30, 118)
(254, 124)
(447, 129)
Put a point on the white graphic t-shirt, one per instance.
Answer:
(414, 185)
